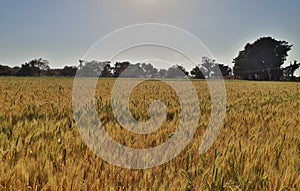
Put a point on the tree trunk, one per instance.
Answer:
(269, 74)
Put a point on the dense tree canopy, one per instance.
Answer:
(6, 71)
(261, 60)
(68, 71)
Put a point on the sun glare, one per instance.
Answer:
(147, 1)
(145, 6)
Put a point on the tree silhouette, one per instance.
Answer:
(34, 67)
(27, 70)
(220, 70)
(177, 71)
(197, 73)
(183, 70)
(41, 65)
(262, 59)
(162, 73)
(149, 70)
(120, 67)
(207, 66)
(133, 71)
(68, 71)
(80, 64)
(107, 71)
(92, 68)
(7, 71)
(205, 69)
(289, 71)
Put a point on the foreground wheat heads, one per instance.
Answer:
(41, 149)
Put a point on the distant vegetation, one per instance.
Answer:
(261, 60)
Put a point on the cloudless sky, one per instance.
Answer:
(61, 31)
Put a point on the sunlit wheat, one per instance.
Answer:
(257, 149)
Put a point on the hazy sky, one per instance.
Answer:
(63, 30)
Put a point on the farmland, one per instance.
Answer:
(41, 148)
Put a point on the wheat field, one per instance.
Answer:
(258, 147)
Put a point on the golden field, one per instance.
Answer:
(258, 147)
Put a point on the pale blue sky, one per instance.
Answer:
(63, 30)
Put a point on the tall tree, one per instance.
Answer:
(205, 69)
(207, 66)
(261, 59)
(41, 65)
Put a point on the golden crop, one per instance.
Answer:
(258, 147)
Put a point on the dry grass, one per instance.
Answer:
(257, 149)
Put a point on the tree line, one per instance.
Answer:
(261, 60)
(208, 69)
(40, 67)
